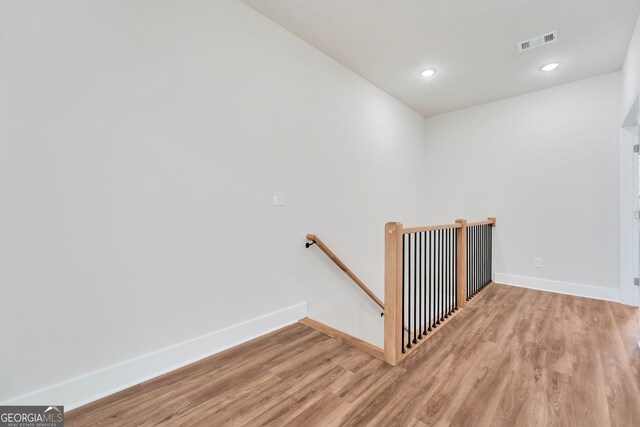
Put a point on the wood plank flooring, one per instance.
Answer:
(513, 357)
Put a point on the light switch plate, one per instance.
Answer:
(279, 198)
(537, 262)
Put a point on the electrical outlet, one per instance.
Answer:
(279, 198)
(537, 262)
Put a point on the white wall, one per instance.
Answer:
(631, 71)
(546, 165)
(140, 143)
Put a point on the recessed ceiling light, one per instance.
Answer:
(429, 72)
(550, 67)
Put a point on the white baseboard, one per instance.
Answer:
(96, 385)
(606, 294)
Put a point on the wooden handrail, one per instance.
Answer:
(429, 228)
(344, 268)
(491, 221)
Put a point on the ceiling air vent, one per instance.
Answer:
(538, 41)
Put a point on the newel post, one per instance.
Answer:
(393, 321)
(461, 263)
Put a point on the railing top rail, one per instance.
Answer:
(430, 228)
(469, 224)
(324, 248)
(491, 221)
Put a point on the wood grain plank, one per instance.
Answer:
(355, 342)
(512, 357)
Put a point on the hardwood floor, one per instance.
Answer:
(513, 357)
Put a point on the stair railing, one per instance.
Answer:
(315, 240)
(431, 273)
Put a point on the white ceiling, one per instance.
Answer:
(472, 43)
